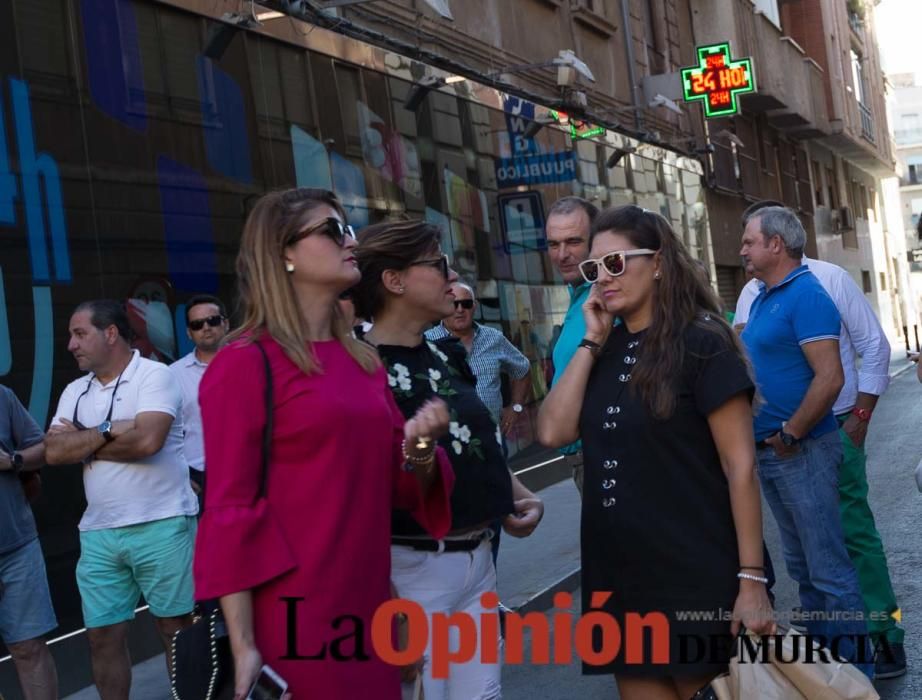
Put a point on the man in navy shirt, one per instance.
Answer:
(793, 340)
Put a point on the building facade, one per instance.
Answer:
(814, 136)
(137, 134)
(906, 111)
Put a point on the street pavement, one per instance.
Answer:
(530, 570)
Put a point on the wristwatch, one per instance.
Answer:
(862, 413)
(105, 429)
(517, 408)
(16, 462)
(788, 439)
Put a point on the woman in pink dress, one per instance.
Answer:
(301, 572)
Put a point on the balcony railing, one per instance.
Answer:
(867, 123)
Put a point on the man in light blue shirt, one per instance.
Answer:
(568, 224)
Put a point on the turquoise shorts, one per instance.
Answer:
(118, 565)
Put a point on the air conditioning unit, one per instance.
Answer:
(845, 219)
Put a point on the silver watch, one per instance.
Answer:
(517, 408)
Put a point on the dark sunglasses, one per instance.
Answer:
(614, 263)
(334, 228)
(213, 321)
(464, 303)
(440, 262)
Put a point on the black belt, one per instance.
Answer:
(439, 545)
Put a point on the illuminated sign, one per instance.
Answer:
(718, 80)
(579, 128)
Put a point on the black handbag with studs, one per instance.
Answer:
(201, 664)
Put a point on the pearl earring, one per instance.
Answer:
(401, 290)
(656, 275)
(290, 266)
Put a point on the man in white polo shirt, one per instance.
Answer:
(206, 326)
(123, 421)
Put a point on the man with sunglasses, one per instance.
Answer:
(206, 326)
(123, 422)
(489, 354)
(569, 222)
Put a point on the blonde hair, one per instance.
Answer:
(267, 296)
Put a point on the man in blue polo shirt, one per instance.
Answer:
(569, 221)
(793, 340)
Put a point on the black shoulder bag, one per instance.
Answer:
(202, 665)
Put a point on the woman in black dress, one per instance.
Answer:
(671, 517)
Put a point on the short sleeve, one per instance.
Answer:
(432, 510)
(815, 317)
(240, 544)
(720, 373)
(25, 431)
(66, 402)
(514, 362)
(160, 392)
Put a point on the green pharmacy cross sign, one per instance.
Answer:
(718, 80)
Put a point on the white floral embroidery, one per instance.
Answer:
(402, 378)
(465, 434)
(456, 446)
(454, 429)
(434, 377)
(499, 436)
(441, 355)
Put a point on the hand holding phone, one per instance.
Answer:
(268, 685)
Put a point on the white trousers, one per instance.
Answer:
(447, 583)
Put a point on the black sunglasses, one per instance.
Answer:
(334, 228)
(464, 303)
(213, 321)
(440, 262)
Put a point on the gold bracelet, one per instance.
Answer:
(412, 459)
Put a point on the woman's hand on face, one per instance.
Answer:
(429, 422)
(753, 609)
(598, 319)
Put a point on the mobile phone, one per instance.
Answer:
(268, 686)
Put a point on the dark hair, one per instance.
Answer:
(205, 299)
(391, 245)
(568, 205)
(682, 297)
(753, 208)
(105, 313)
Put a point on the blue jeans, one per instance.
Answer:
(803, 494)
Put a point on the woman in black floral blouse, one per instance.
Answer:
(405, 287)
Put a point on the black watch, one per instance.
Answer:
(105, 429)
(788, 439)
(16, 462)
